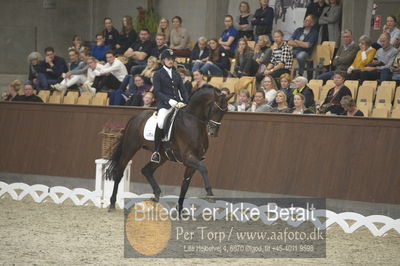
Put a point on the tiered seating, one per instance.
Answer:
(44, 95)
(216, 82)
(55, 98)
(101, 98)
(316, 86)
(353, 86)
(380, 113)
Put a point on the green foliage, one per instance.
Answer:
(150, 21)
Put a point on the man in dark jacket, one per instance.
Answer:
(51, 69)
(263, 19)
(170, 92)
(28, 94)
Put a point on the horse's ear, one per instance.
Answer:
(217, 92)
(229, 96)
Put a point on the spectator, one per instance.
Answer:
(229, 37)
(111, 35)
(88, 84)
(262, 52)
(148, 72)
(315, 8)
(281, 105)
(134, 95)
(300, 84)
(179, 38)
(163, 28)
(263, 19)
(298, 105)
(268, 86)
(285, 81)
(140, 50)
(199, 80)
(331, 104)
(394, 32)
(186, 81)
(148, 99)
(393, 73)
(51, 69)
(99, 50)
(161, 45)
(28, 96)
(281, 60)
(364, 57)
(244, 103)
(227, 92)
(303, 41)
(217, 62)
(349, 106)
(243, 21)
(127, 36)
(383, 59)
(12, 92)
(34, 59)
(245, 64)
(113, 73)
(344, 56)
(73, 59)
(260, 105)
(330, 23)
(200, 52)
(77, 44)
(76, 76)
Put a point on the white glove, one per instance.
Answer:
(180, 105)
(96, 72)
(172, 102)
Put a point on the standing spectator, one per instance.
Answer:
(383, 59)
(99, 50)
(349, 106)
(33, 60)
(161, 45)
(303, 41)
(285, 81)
(330, 23)
(298, 105)
(127, 37)
(315, 8)
(111, 35)
(200, 52)
(344, 56)
(179, 38)
(243, 21)
(281, 105)
(364, 57)
(281, 60)
(28, 96)
(268, 86)
(12, 92)
(217, 62)
(331, 104)
(113, 73)
(262, 52)
(163, 28)
(88, 84)
(300, 84)
(73, 59)
(199, 80)
(51, 69)
(148, 99)
(77, 44)
(245, 64)
(229, 37)
(263, 19)
(140, 50)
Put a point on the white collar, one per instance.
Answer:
(169, 71)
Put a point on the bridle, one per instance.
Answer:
(211, 123)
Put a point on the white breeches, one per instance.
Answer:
(74, 79)
(161, 115)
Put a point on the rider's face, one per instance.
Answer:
(168, 62)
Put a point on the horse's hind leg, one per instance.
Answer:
(184, 187)
(148, 171)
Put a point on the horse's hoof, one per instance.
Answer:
(155, 199)
(210, 198)
(111, 209)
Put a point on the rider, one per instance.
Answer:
(170, 92)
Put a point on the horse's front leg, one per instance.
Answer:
(184, 187)
(198, 165)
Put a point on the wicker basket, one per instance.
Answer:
(108, 143)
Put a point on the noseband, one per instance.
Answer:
(211, 123)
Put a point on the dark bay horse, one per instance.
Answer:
(189, 141)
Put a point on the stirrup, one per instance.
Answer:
(155, 157)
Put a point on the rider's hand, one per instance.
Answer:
(180, 105)
(172, 102)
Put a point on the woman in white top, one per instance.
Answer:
(268, 85)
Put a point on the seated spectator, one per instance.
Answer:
(179, 38)
(199, 80)
(263, 19)
(146, 70)
(163, 28)
(285, 81)
(133, 96)
(92, 66)
(280, 105)
(127, 37)
(315, 8)
(329, 22)
(73, 59)
(245, 65)
(300, 87)
(200, 52)
(394, 32)
(344, 56)
(51, 69)
(33, 60)
(331, 104)
(77, 44)
(281, 60)
(99, 50)
(243, 21)
(383, 59)
(262, 52)
(12, 91)
(111, 35)
(349, 107)
(260, 105)
(186, 81)
(113, 73)
(28, 96)
(76, 76)
(244, 103)
(161, 45)
(268, 86)
(148, 100)
(393, 73)
(364, 57)
(298, 105)
(217, 62)
(140, 50)
(303, 41)
(229, 37)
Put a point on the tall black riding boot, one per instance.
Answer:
(156, 157)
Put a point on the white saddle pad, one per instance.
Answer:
(150, 128)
